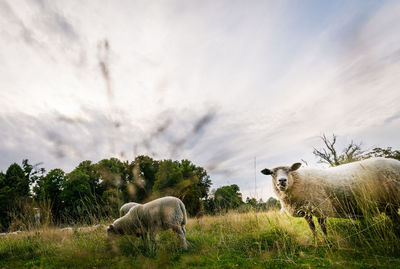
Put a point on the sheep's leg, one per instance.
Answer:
(322, 224)
(180, 230)
(311, 224)
(184, 230)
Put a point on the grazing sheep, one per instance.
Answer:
(125, 208)
(148, 219)
(345, 191)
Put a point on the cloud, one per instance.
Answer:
(44, 30)
(218, 83)
(65, 140)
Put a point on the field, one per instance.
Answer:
(234, 240)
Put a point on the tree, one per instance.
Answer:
(14, 193)
(352, 152)
(16, 179)
(260, 205)
(32, 172)
(142, 176)
(331, 156)
(168, 177)
(383, 152)
(112, 180)
(99, 189)
(204, 181)
(194, 186)
(48, 190)
(94, 177)
(227, 197)
(5, 203)
(273, 203)
(78, 201)
(252, 202)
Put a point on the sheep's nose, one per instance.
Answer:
(282, 181)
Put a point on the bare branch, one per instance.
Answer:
(330, 155)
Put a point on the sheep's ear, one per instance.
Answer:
(295, 166)
(266, 171)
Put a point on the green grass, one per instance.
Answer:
(248, 240)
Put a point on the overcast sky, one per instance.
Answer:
(217, 82)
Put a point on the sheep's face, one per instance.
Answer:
(111, 230)
(281, 176)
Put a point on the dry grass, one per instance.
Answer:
(233, 240)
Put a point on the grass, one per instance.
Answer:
(247, 240)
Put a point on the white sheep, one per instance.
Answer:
(147, 219)
(344, 191)
(125, 208)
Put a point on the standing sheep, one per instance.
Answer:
(148, 219)
(345, 191)
(125, 208)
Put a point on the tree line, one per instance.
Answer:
(94, 191)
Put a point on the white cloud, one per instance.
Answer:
(274, 76)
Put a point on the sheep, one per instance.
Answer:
(146, 220)
(343, 191)
(125, 208)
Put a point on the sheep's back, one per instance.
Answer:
(355, 186)
(126, 207)
(164, 211)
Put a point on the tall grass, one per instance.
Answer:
(253, 239)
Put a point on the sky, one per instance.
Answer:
(233, 86)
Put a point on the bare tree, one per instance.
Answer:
(330, 155)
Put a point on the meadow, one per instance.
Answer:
(234, 240)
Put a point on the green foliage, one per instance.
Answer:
(273, 203)
(33, 173)
(142, 175)
(14, 189)
(49, 189)
(168, 176)
(383, 152)
(16, 179)
(184, 180)
(227, 197)
(5, 207)
(99, 189)
(260, 205)
(78, 201)
(109, 185)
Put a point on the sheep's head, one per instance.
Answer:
(281, 175)
(111, 230)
